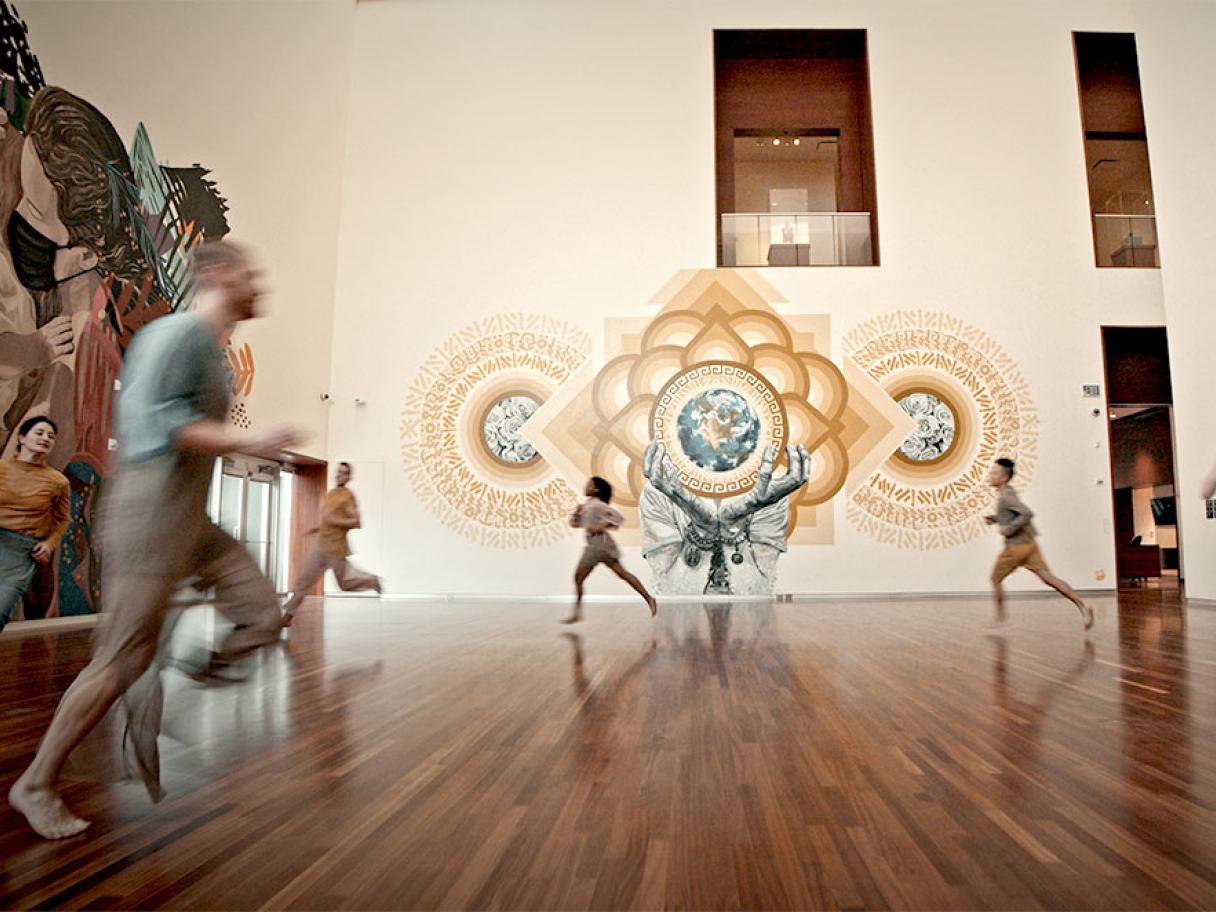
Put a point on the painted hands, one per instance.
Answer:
(768, 490)
(659, 470)
(57, 335)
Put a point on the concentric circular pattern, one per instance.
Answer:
(932, 493)
(935, 425)
(715, 420)
(462, 426)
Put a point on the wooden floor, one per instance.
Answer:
(845, 755)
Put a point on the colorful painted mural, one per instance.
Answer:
(94, 244)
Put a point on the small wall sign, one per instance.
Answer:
(1210, 508)
(1091, 391)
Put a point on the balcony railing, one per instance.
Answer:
(796, 239)
(1125, 240)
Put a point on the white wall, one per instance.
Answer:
(1177, 72)
(494, 165)
(256, 91)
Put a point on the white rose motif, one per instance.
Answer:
(501, 430)
(935, 427)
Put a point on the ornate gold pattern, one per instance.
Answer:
(941, 503)
(483, 498)
(752, 388)
(600, 424)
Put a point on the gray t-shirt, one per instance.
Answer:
(1014, 518)
(173, 375)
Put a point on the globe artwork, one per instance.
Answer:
(502, 426)
(718, 430)
(935, 426)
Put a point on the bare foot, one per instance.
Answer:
(44, 809)
(573, 619)
(1088, 614)
(287, 619)
(653, 605)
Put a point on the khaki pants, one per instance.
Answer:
(1026, 556)
(350, 578)
(155, 534)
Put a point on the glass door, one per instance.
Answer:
(246, 503)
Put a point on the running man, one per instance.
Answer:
(171, 425)
(339, 514)
(1014, 520)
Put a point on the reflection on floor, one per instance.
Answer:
(477, 754)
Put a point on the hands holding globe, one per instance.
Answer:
(659, 470)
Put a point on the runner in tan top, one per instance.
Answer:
(34, 502)
(339, 514)
(1013, 518)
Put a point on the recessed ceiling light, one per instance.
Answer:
(776, 142)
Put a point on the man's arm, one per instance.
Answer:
(215, 438)
(346, 518)
(1022, 515)
(189, 431)
(60, 515)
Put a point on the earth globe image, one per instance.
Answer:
(718, 430)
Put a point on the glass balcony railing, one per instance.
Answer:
(796, 239)
(1125, 240)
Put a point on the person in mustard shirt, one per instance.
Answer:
(339, 514)
(34, 509)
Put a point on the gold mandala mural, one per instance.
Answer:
(718, 359)
(460, 429)
(970, 406)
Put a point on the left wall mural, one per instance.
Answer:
(95, 237)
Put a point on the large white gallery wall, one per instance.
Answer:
(557, 160)
(435, 178)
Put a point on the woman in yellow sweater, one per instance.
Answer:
(34, 509)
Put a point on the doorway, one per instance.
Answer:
(1140, 418)
(251, 499)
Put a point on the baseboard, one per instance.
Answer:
(778, 597)
(41, 625)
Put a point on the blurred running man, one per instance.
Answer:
(339, 514)
(1014, 520)
(155, 532)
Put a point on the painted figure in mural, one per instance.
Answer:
(74, 222)
(598, 519)
(741, 536)
(339, 515)
(34, 501)
(1013, 518)
(70, 236)
(156, 534)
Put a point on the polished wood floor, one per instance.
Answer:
(842, 755)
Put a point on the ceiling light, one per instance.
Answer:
(776, 141)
